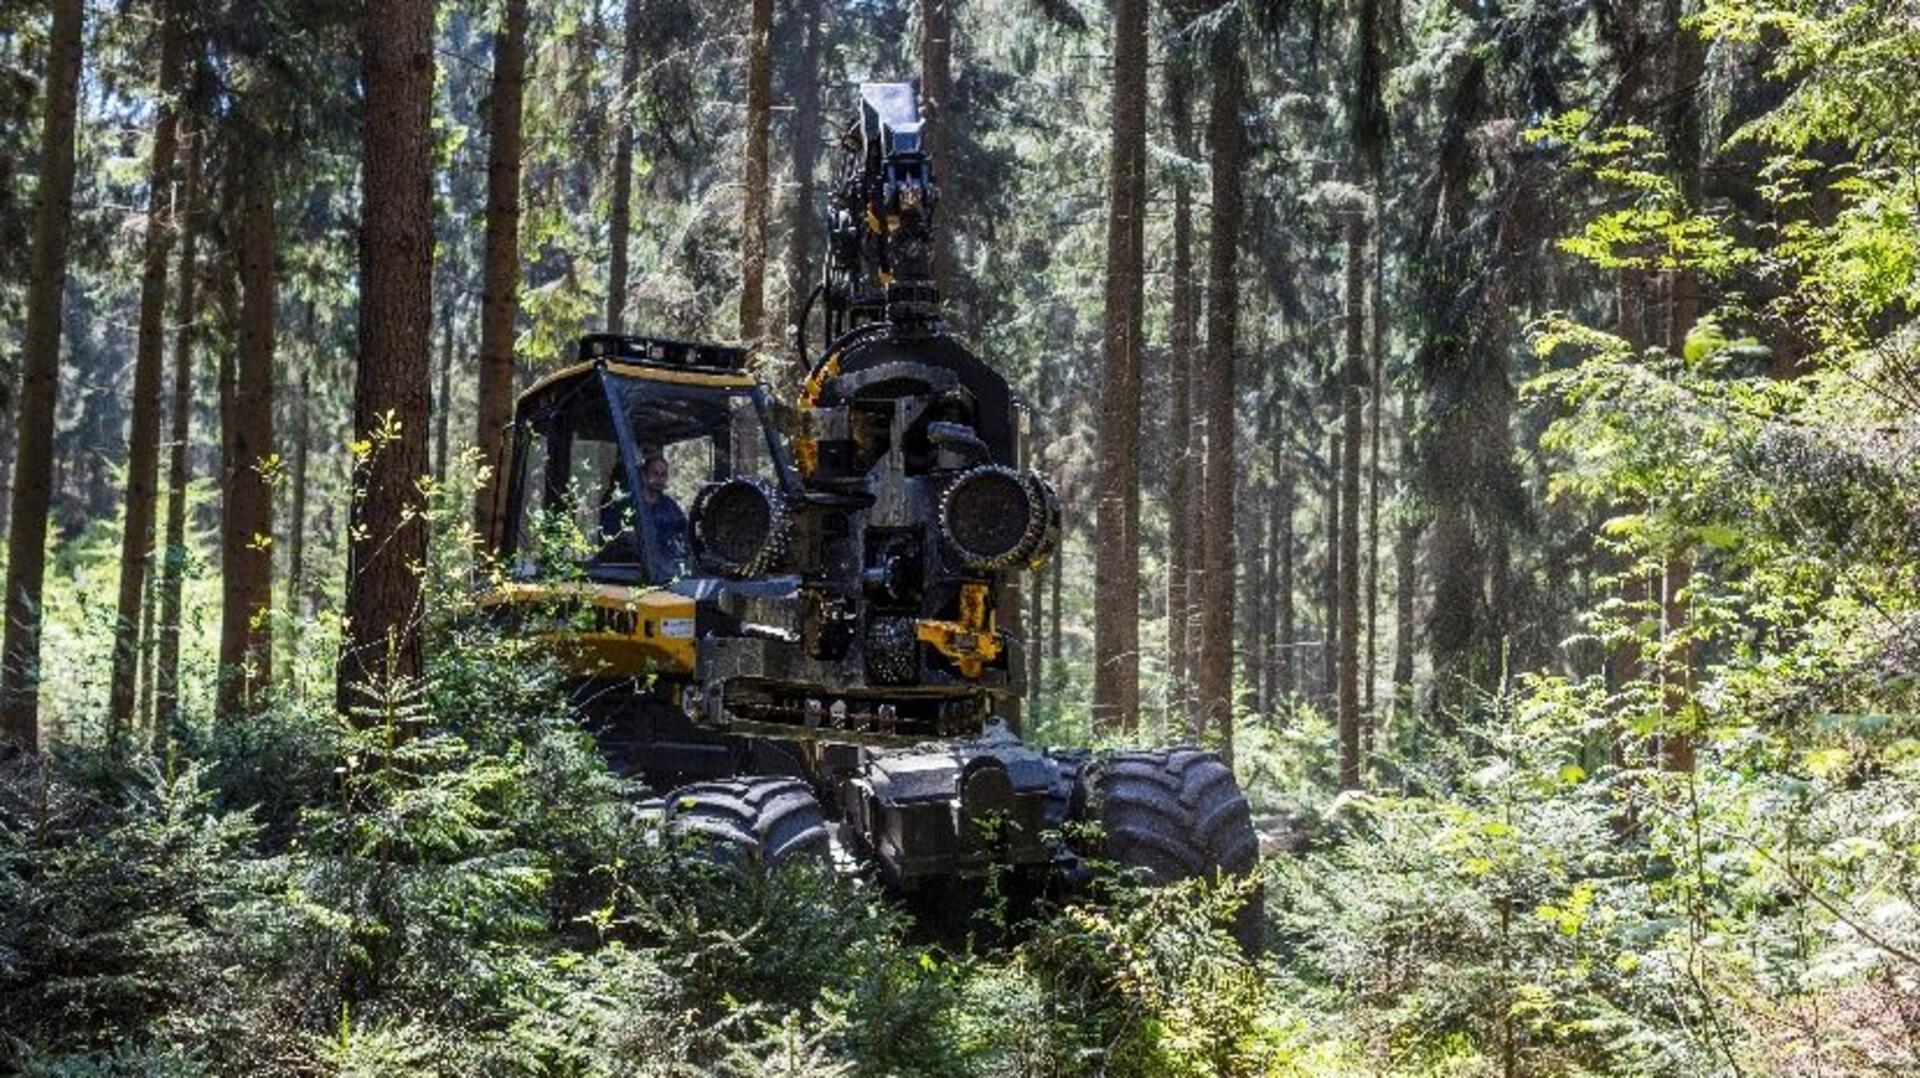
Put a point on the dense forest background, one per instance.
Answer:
(1490, 425)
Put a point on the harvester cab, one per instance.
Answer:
(792, 612)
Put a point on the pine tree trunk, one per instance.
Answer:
(1116, 569)
(1406, 582)
(1227, 145)
(297, 525)
(1184, 474)
(1377, 324)
(621, 224)
(1269, 667)
(143, 711)
(1676, 750)
(443, 401)
(9, 435)
(1251, 581)
(1457, 600)
(1330, 579)
(167, 726)
(388, 526)
(500, 276)
(936, 98)
(39, 386)
(1453, 378)
(1685, 298)
(1352, 395)
(246, 552)
(143, 440)
(753, 224)
(1285, 672)
(803, 220)
(1036, 642)
(1055, 619)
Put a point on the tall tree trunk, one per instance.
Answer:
(621, 225)
(1116, 563)
(173, 566)
(39, 387)
(1286, 676)
(1183, 500)
(1036, 642)
(1685, 297)
(1377, 350)
(143, 712)
(1330, 577)
(1353, 391)
(1251, 582)
(802, 219)
(1406, 583)
(1226, 141)
(388, 526)
(500, 276)
(9, 435)
(246, 531)
(1271, 701)
(753, 225)
(297, 526)
(143, 439)
(936, 98)
(443, 400)
(1453, 426)
(1054, 618)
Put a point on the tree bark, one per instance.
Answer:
(1685, 297)
(39, 387)
(1036, 642)
(1226, 140)
(167, 727)
(1377, 350)
(8, 438)
(802, 219)
(297, 510)
(1330, 577)
(1406, 582)
(246, 531)
(753, 225)
(1353, 392)
(143, 439)
(1285, 672)
(1250, 577)
(622, 224)
(1454, 426)
(1268, 666)
(388, 525)
(1054, 617)
(143, 712)
(1116, 570)
(443, 400)
(500, 276)
(1183, 500)
(936, 96)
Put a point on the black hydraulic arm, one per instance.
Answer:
(880, 218)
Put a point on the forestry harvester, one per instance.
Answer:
(811, 654)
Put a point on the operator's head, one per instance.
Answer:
(654, 474)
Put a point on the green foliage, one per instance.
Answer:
(113, 885)
(1149, 983)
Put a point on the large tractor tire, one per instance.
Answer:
(1176, 814)
(1066, 795)
(761, 821)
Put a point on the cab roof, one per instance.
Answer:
(655, 358)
